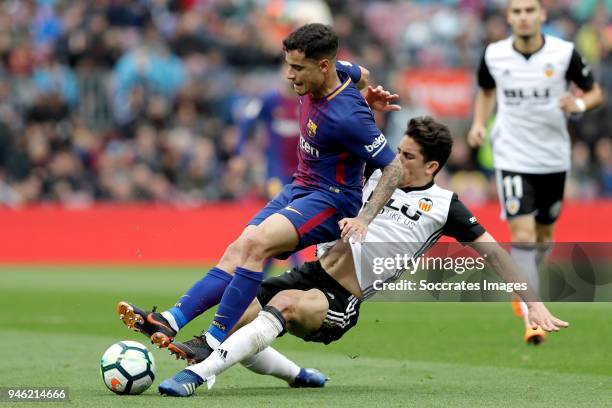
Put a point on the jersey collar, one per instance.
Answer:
(336, 91)
(528, 55)
(419, 188)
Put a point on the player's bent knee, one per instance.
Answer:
(253, 246)
(287, 302)
(304, 311)
(232, 250)
(312, 306)
(231, 256)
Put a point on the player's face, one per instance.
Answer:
(417, 171)
(306, 75)
(287, 85)
(525, 17)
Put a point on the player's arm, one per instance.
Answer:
(365, 78)
(464, 227)
(580, 73)
(506, 268)
(359, 135)
(483, 105)
(377, 98)
(357, 227)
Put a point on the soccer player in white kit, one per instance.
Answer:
(528, 75)
(320, 301)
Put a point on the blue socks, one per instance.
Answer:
(234, 294)
(236, 299)
(203, 295)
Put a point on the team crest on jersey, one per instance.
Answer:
(312, 128)
(425, 204)
(549, 70)
(512, 205)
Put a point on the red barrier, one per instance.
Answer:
(148, 234)
(444, 92)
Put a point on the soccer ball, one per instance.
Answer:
(127, 368)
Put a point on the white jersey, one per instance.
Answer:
(530, 131)
(415, 217)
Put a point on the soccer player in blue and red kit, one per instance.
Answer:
(278, 112)
(338, 136)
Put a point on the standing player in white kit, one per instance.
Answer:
(528, 75)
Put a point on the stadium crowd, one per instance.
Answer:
(140, 100)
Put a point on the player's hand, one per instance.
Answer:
(381, 100)
(540, 316)
(567, 103)
(476, 135)
(353, 229)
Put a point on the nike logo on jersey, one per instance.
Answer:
(289, 208)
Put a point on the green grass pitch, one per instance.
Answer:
(56, 323)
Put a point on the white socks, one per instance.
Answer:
(248, 340)
(271, 362)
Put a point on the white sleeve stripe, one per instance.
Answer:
(380, 148)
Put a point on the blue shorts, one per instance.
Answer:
(313, 213)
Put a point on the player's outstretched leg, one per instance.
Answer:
(304, 311)
(197, 350)
(185, 382)
(275, 235)
(150, 323)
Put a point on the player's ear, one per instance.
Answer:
(431, 167)
(324, 65)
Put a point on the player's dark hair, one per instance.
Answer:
(316, 41)
(433, 137)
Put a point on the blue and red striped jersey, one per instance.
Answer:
(338, 136)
